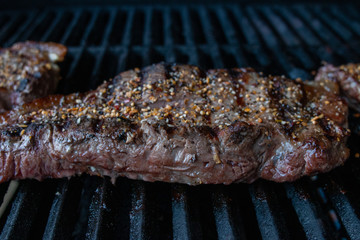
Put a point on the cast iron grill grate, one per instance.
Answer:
(102, 41)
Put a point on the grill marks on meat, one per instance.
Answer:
(28, 71)
(177, 123)
(348, 78)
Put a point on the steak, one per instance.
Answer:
(178, 123)
(348, 78)
(28, 71)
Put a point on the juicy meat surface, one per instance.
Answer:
(348, 78)
(177, 123)
(28, 71)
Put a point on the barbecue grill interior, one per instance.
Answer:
(289, 39)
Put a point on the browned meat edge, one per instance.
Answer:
(178, 123)
(28, 71)
(348, 78)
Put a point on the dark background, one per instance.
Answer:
(43, 3)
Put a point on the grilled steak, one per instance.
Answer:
(28, 71)
(348, 77)
(177, 123)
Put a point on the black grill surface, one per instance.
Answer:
(279, 39)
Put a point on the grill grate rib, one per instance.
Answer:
(181, 228)
(137, 214)
(223, 218)
(304, 209)
(103, 41)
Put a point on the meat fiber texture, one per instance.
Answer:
(28, 71)
(178, 123)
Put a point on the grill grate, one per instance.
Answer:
(277, 39)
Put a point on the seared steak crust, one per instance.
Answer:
(348, 78)
(28, 71)
(177, 123)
